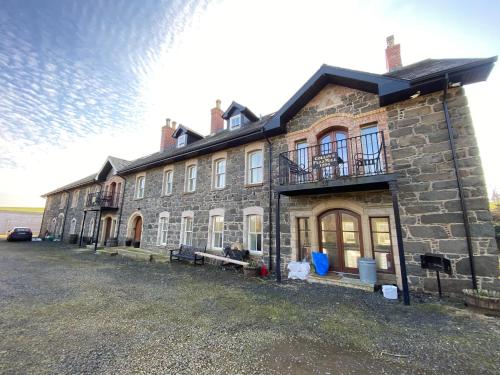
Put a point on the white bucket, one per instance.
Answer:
(390, 291)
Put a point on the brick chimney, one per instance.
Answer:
(217, 122)
(166, 135)
(392, 55)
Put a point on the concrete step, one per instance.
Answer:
(160, 258)
(92, 247)
(338, 280)
(135, 253)
(109, 251)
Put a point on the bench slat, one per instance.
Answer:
(224, 259)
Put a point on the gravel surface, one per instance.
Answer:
(63, 311)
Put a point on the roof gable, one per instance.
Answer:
(236, 108)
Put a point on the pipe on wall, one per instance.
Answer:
(270, 233)
(465, 214)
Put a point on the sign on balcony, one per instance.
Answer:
(325, 160)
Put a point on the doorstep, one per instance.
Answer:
(134, 253)
(107, 251)
(338, 280)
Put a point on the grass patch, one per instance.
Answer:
(31, 210)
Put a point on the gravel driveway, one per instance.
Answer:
(69, 312)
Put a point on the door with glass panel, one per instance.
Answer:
(335, 142)
(340, 236)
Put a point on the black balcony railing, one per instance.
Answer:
(103, 199)
(364, 155)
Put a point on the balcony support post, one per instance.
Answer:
(83, 225)
(393, 187)
(278, 239)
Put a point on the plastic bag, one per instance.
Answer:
(321, 264)
(298, 270)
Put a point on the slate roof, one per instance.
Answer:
(118, 163)
(82, 182)
(211, 140)
(430, 67)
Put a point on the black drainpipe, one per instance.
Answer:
(270, 260)
(459, 183)
(121, 208)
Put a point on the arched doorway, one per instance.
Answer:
(137, 229)
(107, 231)
(340, 238)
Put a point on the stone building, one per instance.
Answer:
(355, 164)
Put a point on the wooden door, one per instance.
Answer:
(138, 229)
(107, 232)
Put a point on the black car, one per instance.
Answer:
(19, 234)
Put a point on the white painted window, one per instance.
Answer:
(235, 122)
(181, 140)
(52, 227)
(187, 232)
(255, 167)
(254, 226)
(163, 228)
(217, 232)
(220, 174)
(168, 181)
(191, 178)
(72, 227)
(139, 187)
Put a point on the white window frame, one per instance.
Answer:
(163, 222)
(254, 233)
(168, 185)
(181, 140)
(72, 227)
(75, 198)
(190, 185)
(256, 168)
(214, 233)
(187, 217)
(213, 214)
(139, 190)
(218, 175)
(249, 212)
(235, 122)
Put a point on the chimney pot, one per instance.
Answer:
(168, 122)
(174, 125)
(167, 141)
(217, 122)
(217, 103)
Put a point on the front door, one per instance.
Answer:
(138, 229)
(340, 235)
(107, 233)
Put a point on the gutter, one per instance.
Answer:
(270, 260)
(460, 185)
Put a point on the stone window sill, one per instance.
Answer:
(254, 185)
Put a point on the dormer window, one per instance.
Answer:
(181, 141)
(235, 122)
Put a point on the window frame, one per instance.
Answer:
(213, 232)
(181, 140)
(250, 169)
(257, 234)
(72, 226)
(217, 174)
(166, 183)
(163, 224)
(138, 188)
(189, 178)
(300, 236)
(392, 269)
(233, 126)
(75, 198)
(185, 220)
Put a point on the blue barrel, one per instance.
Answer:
(367, 270)
(320, 262)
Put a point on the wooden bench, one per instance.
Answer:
(189, 253)
(230, 257)
(222, 259)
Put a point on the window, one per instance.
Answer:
(187, 234)
(191, 178)
(381, 243)
(52, 227)
(255, 167)
(235, 122)
(139, 187)
(91, 227)
(74, 201)
(168, 179)
(302, 160)
(64, 200)
(181, 141)
(371, 149)
(72, 227)
(217, 232)
(220, 174)
(163, 229)
(254, 232)
(304, 239)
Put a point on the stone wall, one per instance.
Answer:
(430, 207)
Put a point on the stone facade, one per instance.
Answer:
(417, 149)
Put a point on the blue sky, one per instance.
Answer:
(85, 79)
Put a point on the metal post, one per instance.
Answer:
(399, 234)
(278, 240)
(439, 284)
(98, 228)
(83, 225)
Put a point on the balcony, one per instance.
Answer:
(102, 200)
(345, 164)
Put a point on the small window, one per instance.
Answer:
(220, 174)
(187, 235)
(217, 232)
(72, 228)
(140, 184)
(74, 201)
(181, 141)
(235, 122)
(163, 230)
(168, 179)
(381, 242)
(255, 167)
(191, 179)
(254, 232)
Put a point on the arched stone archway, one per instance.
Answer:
(135, 228)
